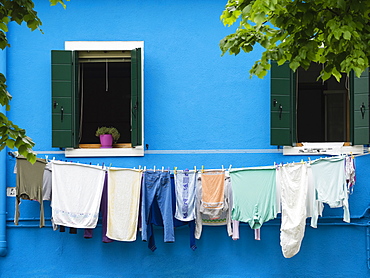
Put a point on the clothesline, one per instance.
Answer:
(195, 169)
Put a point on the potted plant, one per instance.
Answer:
(107, 135)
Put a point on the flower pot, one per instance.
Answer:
(106, 141)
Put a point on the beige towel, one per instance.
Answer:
(123, 203)
(213, 184)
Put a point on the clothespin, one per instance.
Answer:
(144, 168)
(110, 165)
(46, 157)
(352, 156)
(175, 170)
(202, 168)
(222, 167)
(230, 167)
(154, 168)
(195, 169)
(302, 161)
(139, 167)
(162, 169)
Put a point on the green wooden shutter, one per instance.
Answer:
(360, 108)
(136, 98)
(282, 109)
(64, 101)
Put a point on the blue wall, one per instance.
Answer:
(198, 105)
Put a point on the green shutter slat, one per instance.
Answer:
(63, 79)
(136, 98)
(360, 108)
(281, 118)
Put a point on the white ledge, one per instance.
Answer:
(137, 151)
(323, 148)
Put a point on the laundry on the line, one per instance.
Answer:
(130, 201)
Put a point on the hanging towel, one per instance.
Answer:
(330, 186)
(214, 217)
(123, 203)
(294, 187)
(254, 195)
(213, 183)
(76, 194)
(29, 184)
(185, 185)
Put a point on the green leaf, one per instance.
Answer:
(259, 18)
(31, 157)
(10, 143)
(341, 4)
(3, 27)
(294, 65)
(347, 35)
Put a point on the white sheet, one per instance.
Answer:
(76, 194)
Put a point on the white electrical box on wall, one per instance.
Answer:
(10, 191)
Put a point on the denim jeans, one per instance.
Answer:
(156, 219)
(157, 185)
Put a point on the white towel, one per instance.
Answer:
(123, 203)
(185, 186)
(294, 187)
(76, 194)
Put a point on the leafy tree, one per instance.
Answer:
(333, 32)
(20, 11)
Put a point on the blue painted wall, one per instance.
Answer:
(194, 100)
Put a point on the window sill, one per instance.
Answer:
(97, 152)
(323, 148)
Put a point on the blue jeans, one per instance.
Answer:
(157, 185)
(156, 219)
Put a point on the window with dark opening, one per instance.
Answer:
(105, 94)
(305, 109)
(322, 107)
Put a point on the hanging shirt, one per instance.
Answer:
(29, 185)
(76, 194)
(47, 183)
(254, 195)
(330, 186)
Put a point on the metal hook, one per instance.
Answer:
(280, 111)
(362, 110)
